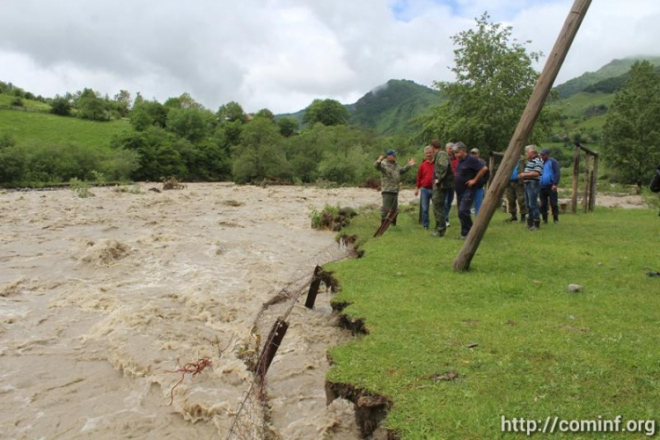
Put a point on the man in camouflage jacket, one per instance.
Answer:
(443, 183)
(390, 178)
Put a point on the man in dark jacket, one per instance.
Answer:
(468, 173)
(390, 177)
(549, 183)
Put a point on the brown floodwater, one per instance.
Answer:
(101, 298)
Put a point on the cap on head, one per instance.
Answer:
(390, 153)
(545, 151)
(474, 150)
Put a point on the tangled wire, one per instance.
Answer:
(193, 368)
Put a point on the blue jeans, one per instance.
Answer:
(465, 201)
(448, 201)
(425, 199)
(478, 199)
(532, 189)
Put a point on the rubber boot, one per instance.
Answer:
(556, 218)
(530, 222)
(545, 219)
(523, 218)
(512, 219)
(537, 224)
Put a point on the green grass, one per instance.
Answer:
(39, 129)
(575, 107)
(6, 100)
(542, 350)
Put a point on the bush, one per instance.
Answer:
(80, 188)
(60, 106)
(21, 164)
(333, 218)
(17, 101)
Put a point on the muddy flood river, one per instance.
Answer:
(102, 299)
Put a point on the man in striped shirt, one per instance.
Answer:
(532, 179)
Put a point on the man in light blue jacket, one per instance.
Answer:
(549, 184)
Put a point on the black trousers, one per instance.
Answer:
(548, 194)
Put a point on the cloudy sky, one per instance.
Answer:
(281, 54)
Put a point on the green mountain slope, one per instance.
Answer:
(389, 108)
(615, 68)
(6, 101)
(46, 129)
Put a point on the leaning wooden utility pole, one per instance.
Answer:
(524, 129)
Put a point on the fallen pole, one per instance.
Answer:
(270, 348)
(391, 217)
(313, 288)
(521, 135)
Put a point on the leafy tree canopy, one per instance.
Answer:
(327, 112)
(632, 129)
(494, 80)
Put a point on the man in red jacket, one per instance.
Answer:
(425, 184)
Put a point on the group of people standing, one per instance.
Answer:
(453, 171)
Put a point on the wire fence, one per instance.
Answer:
(252, 417)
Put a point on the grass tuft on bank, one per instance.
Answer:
(542, 351)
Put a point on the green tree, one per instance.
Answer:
(230, 112)
(288, 126)
(260, 153)
(91, 106)
(122, 103)
(148, 113)
(60, 105)
(494, 80)
(632, 128)
(327, 112)
(265, 113)
(191, 123)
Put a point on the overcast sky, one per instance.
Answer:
(281, 54)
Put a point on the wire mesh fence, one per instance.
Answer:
(251, 420)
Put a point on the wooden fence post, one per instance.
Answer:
(587, 180)
(594, 184)
(521, 135)
(576, 177)
(313, 288)
(270, 349)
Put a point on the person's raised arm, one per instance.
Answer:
(378, 162)
(409, 165)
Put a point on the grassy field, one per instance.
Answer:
(6, 100)
(39, 128)
(575, 108)
(541, 352)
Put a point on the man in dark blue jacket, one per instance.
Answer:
(549, 183)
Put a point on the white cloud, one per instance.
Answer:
(281, 54)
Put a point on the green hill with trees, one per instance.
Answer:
(389, 109)
(613, 69)
(84, 134)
